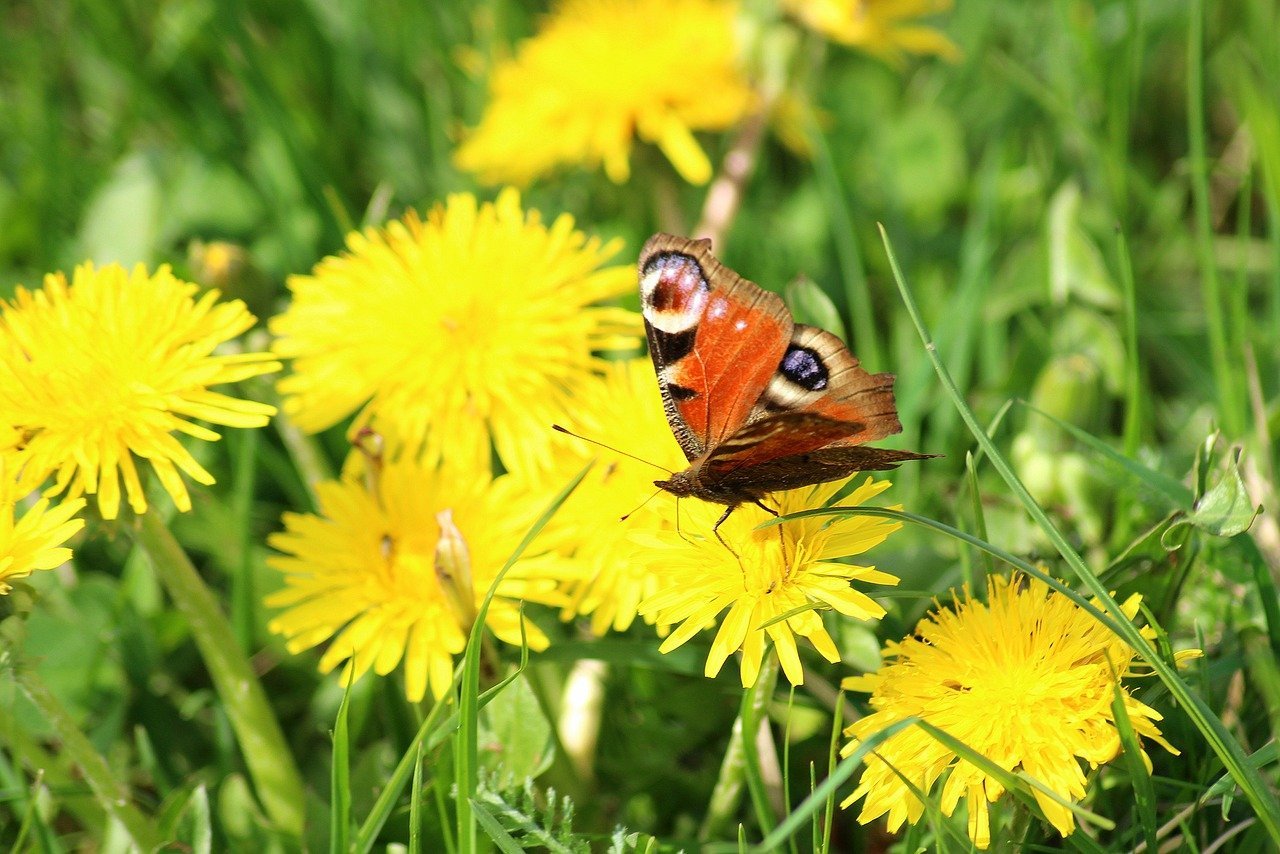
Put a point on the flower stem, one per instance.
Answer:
(112, 794)
(724, 196)
(265, 752)
(727, 793)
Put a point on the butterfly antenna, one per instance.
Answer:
(568, 432)
(642, 504)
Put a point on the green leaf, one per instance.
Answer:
(493, 828)
(1225, 510)
(1076, 266)
(120, 223)
(515, 735)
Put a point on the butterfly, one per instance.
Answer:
(758, 402)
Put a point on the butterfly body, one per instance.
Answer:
(757, 402)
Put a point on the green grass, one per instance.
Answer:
(1085, 216)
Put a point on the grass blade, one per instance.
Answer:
(1226, 378)
(818, 798)
(1171, 491)
(1144, 793)
(467, 761)
(340, 778)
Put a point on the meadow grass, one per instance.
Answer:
(1065, 243)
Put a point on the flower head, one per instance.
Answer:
(623, 409)
(396, 572)
(469, 329)
(777, 570)
(877, 26)
(34, 541)
(110, 367)
(1025, 679)
(601, 73)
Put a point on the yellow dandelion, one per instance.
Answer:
(398, 573)
(623, 409)
(446, 336)
(882, 27)
(775, 571)
(1025, 679)
(34, 541)
(601, 73)
(110, 367)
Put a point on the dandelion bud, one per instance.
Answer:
(453, 570)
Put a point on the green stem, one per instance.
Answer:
(262, 744)
(727, 794)
(1230, 406)
(305, 453)
(1215, 733)
(1133, 368)
(244, 599)
(112, 794)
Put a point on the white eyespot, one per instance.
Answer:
(674, 320)
(650, 283)
(785, 392)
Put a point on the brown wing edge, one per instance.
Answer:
(820, 466)
(852, 393)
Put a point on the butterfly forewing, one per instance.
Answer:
(716, 339)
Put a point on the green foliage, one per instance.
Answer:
(1086, 209)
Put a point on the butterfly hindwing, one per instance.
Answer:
(820, 466)
(715, 338)
(818, 375)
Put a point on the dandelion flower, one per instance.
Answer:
(600, 73)
(1025, 679)
(624, 410)
(877, 26)
(777, 570)
(397, 573)
(110, 367)
(446, 336)
(34, 541)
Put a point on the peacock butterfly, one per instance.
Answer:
(758, 402)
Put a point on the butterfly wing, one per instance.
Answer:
(793, 449)
(818, 375)
(716, 339)
(810, 424)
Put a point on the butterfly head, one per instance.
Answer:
(680, 484)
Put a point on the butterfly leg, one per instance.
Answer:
(762, 506)
(774, 513)
(716, 530)
(679, 532)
